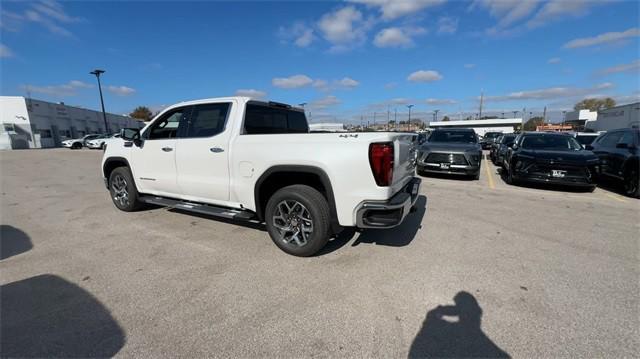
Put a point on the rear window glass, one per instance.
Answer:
(585, 139)
(453, 136)
(262, 119)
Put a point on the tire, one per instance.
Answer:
(76, 146)
(632, 183)
(510, 179)
(477, 176)
(591, 189)
(123, 190)
(293, 207)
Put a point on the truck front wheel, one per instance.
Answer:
(298, 220)
(123, 190)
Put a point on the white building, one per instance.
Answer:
(505, 125)
(579, 119)
(327, 127)
(28, 123)
(623, 116)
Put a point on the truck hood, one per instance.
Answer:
(453, 147)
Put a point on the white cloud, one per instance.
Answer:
(121, 90)
(550, 93)
(559, 9)
(292, 82)
(439, 101)
(251, 93)
(65, 90)
(469, 66)
(554, 60)
(603, 39)
(321, 85)
(344, 28)
(507, 12)
(324, 102)
(348, 82)
(299, 33)
(5, 51)
(624, 68)
(447, 25)
(397, 37)
(425, 76)
(393, 9)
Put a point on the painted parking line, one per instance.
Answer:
(489, 175)
(619, 199)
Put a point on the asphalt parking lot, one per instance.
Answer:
(481, 269)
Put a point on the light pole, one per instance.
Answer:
(98, 72)
(515, 113)
(409, 107)
(564, 118)
(435, 115)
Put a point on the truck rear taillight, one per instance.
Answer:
(381, 161)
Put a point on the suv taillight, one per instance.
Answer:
(381, 161)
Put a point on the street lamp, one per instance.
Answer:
(435, 115)
(98, 72)
(515, 113)
(409, 107)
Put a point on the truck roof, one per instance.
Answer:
(240, 99)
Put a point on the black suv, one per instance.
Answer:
(547, 157)
(619, 157)
(488, 139)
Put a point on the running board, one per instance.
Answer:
(214, 211)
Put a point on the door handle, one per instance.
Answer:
(216, 149)
(167, 149)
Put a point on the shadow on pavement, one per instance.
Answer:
(399, 236)
(454, 331)
(462, 178)
(47, 316)
(13, 241)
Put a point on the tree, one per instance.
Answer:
(142, 112)
(595, 104)
(445, 118)
(533, 122)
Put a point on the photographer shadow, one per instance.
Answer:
(443, 337)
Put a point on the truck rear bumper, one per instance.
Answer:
(388, 214)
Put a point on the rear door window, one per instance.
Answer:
(207, 120)
(263, 119)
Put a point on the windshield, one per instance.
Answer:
(508, 139)
(453, 136)
(550, 143)
(490, 135)
(585, 140)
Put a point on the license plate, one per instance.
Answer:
(444, 166)
(558, 173)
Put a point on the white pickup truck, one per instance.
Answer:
(243, 159)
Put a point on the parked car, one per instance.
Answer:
(548, 157)
(488, 139)
(494, 148)
(101, 142)
(78, 143)
(585, 138)
(241, 159)
(619, 155)
(451, 151)
(501, 147)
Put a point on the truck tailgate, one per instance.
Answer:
(405, 160)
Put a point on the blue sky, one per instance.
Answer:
(344, 59)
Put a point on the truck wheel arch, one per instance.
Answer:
(280, 176)
(112, 163)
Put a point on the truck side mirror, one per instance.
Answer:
(588, 147)
(130, 134)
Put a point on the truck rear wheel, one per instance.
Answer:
(298, 220)
(123, 190)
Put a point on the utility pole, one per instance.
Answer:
(564, 117)
(97, 73)
(481, 100)
(374, 119)
(515, 113)
(435, 113)
(395, 118)
(388, 119)
(544, 115)
(409, 106)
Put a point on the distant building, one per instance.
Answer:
(327, 127)
(623, 116)
(505, 125)
(28, 123)
(579, 119)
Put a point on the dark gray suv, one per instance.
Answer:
(619, 153)
(451, 151)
